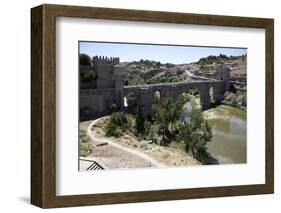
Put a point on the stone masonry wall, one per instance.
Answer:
(110, 90)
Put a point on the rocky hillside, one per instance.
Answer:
(153, 72)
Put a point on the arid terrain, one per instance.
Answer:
(103, 149)
(152, 72)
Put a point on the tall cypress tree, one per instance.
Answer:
(140, 121)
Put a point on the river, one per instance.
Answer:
(229, 134)
(229, 127)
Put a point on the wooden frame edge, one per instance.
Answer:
(43, 174)
(269, 105)
(36, 106)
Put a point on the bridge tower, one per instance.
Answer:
(104, 68)
(223, 74)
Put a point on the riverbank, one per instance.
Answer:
(237, 100)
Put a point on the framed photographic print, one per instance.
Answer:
(136, 106)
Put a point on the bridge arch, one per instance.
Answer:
(156, 96)
(211, 94)
(194, 91)
(125, 103)
(130, 102)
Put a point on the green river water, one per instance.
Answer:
(229, 126)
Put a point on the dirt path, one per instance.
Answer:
(172, 155)
(129, 152)
(113, 155)
(118, 146)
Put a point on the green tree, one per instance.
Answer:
(158, 64)
(132, 102)
(166, 114)
(84, 59)
(140, 120)
(196, 133)
(162, 116)
(176, 109)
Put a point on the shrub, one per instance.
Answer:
(152, 132)
(84, 138)
(118, 124)
(87, 75)
(114, 108)
(179, 71)
(84, 148)
(113, 130)
(119, 118)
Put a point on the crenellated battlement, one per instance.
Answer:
(106, 60)
(104, 68)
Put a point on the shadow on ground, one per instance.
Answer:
(25, 199)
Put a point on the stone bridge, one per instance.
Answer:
(97, 102)
(145, 93)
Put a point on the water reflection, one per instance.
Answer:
(229, 134)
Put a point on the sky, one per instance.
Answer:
(163, 53)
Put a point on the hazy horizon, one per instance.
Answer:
(164, 53)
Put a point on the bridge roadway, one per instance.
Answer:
(175, 84)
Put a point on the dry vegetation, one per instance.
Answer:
(172, 155)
